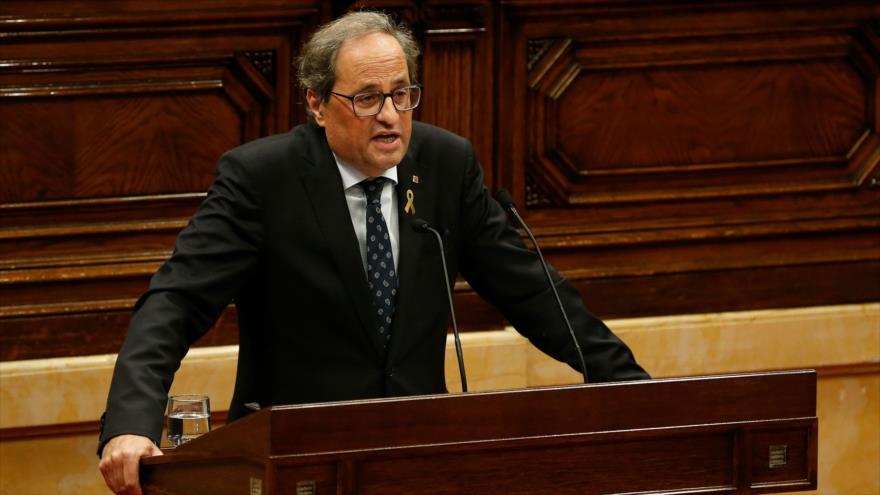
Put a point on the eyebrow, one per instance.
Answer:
(397, 83)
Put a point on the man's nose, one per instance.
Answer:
(389, 113)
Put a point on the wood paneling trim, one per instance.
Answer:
(21, 216)
(128, 61)
(455, 31)
(854, 369)
(86, 260)
(48, 231)
(108, 88)
(24, 22)
(717, 50)
(100, 272)
(79, 428)
(817, 161)
(598, 20)
(50, 431)
(710, 291)
(719, 191)
(55, 309)
(581, 236)
(118, 200)
(98, 328)
(865, 158)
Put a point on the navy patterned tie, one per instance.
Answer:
(381, 275)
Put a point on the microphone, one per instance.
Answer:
(421, 227)
(508, 204)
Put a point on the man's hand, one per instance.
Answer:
(120, 462)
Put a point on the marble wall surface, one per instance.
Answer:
(48, 408)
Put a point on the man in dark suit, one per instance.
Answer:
(311, 234)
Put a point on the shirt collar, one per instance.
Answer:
(352, 176)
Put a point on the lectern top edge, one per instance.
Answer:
(547, 388)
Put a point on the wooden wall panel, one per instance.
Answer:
(450, 61)
(684, 121)
(115, 146)
(682, 158)
(456, 69)
(112, 118)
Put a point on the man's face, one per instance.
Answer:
(370, 144)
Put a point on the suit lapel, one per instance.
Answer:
(323, 185)
(409, 191)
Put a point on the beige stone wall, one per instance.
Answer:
(43, 404)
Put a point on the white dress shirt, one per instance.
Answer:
(357, 206)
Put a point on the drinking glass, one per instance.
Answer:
(189, 416)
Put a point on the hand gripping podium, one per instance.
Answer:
(753, 433)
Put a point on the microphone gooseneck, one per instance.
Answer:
(422, 226)
(509, 204)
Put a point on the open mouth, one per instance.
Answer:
(386, 138)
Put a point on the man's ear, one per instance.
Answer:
(314, 102)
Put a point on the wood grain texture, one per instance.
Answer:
(698, 435)
(710, 119)
(685, 154)
(456, 70)
(92, 327)
(509, 415)
(662, 464)
(236, 478)
(452, 64)
(123, 147)
(112, 118)
(696, 122)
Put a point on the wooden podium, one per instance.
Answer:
(753, 433)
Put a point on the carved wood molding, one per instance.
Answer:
(687, 91)
(205, 95)
(265, 62)
(455, 18)
(681, 151)
(535, 196)
(218, 418)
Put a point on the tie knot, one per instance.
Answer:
(373, 189)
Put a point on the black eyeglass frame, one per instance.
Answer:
(385, 96)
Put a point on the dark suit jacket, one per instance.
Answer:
(274, 234)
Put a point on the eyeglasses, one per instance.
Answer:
(371, 102)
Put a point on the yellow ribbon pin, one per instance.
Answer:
(410, 207)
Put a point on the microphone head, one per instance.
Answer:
(420, 225)
(505, 199)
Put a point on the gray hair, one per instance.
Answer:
(317, 64)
